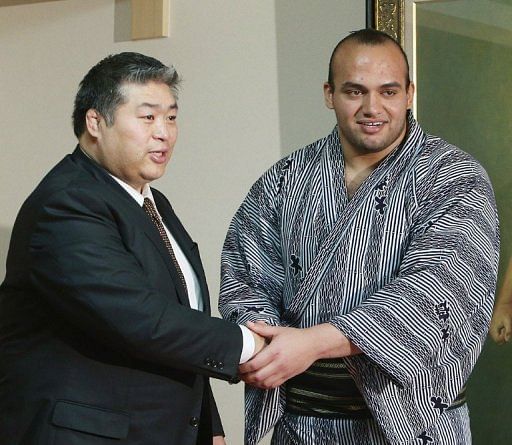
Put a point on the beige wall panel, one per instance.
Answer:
(150, 18)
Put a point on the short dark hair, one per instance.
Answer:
(367, 36)
(101, 88)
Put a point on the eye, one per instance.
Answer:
(149, 117)
(172, 118)
(389, 93)
(354, 92)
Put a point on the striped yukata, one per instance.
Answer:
(406, 269)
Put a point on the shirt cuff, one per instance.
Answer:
(248, 344)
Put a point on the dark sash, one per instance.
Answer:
(327, 390)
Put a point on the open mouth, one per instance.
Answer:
(371, 123)
(158, 156)
(371, 127)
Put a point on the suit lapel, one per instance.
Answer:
(186, 244)
(152, 232)
(136, 215)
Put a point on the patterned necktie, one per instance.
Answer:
(150, 209)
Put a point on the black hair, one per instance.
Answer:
(367, 36)
(101, 88)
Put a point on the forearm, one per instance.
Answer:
(291, 351)
(505, 294)
(501, 323)
(330, 342)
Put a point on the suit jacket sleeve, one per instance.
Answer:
(84, 268)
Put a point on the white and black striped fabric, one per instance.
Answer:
(406, 269)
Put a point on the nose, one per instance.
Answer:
(160, 130)
(371, 104)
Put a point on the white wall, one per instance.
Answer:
(253, 73)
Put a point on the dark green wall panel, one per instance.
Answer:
(465, 96)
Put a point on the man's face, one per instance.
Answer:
(370, 97)
(139, 144)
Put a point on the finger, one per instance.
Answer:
(251, 378)
(496, 328)
(494, 335)
(266, 384)
(498, 336)
(262, 329)
(272, 382)
(270, 376)
(260, 376)
(507, 328)
(260, 360)
(261, 386)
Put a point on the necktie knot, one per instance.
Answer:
(150, 209)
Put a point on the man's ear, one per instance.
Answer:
(92, 122)
(410, 95)
(328, 95)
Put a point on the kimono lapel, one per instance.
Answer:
(374, 188)
(334, 193)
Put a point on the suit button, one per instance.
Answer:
(194, 421)
(208, 361)
(234, 380)
(214, 364)
(220, 365)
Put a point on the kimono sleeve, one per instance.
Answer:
(421, 334)
(252, 272)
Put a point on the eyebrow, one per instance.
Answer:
(392, 85)
(362, 87)
(352, 85)
(150, 105)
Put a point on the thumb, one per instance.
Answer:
(262, 329)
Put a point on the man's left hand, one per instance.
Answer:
(218, 440)
(291, 351)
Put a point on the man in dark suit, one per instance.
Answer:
(105, 332)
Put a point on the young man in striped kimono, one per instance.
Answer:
(371, 255)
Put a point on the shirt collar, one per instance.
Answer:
(139, 197)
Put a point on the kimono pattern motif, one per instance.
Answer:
(406, 269)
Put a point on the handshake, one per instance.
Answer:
(283, 352)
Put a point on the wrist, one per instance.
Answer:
(328, 341)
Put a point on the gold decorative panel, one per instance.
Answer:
(389, 17)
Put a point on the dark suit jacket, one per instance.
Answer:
(97, 344)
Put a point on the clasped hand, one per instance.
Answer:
(290, 351)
